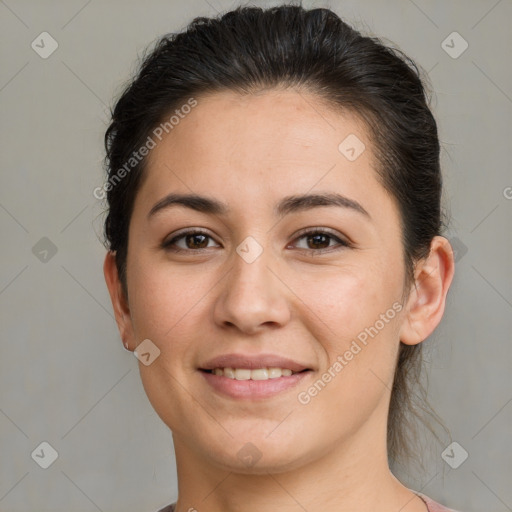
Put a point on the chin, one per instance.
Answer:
(258, 457)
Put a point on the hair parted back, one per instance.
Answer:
(250, 49)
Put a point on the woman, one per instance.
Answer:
(276, 259)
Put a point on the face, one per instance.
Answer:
(270, 278)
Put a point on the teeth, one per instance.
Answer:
(228, 372)
(274, 373)
(241, 374)
(259, 374)
(256, 374)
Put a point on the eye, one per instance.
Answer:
(193, 240)
(319, 240)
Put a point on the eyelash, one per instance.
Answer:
(167, 245)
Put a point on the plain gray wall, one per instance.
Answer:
(64, 376)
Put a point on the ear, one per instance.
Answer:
(425, 305)
(119, 301)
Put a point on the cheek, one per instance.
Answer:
(353, 315)
(166, 300)
(344, 300)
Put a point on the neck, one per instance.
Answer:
(353, 475)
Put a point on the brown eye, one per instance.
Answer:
(188, 241)
(320, 240)
(196, 241)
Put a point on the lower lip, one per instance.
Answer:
(252, 389)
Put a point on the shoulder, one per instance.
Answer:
(434, 506)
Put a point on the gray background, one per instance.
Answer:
(64, 376)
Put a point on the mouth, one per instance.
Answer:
(253, 373)
(252, 376)
(252, 384)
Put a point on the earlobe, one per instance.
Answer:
(119, 302)
(425, 305)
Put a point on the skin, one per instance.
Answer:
(293, 300)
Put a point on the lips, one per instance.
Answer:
(252, 362)
(238, 376)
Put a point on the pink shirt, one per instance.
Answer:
(432, 505)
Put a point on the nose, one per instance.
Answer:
(253, 296)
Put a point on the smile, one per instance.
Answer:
(253, 374)
(252, 384)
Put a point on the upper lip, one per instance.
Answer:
(252, 362)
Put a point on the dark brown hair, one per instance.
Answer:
(250, 49)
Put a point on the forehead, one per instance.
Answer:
(270, 124)
(269, 144)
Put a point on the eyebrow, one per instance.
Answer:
(287, 205)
